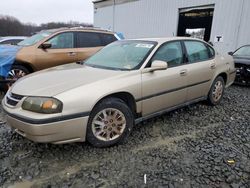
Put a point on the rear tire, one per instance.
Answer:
(110, 123)
(216, 92)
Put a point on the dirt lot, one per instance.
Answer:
(197, 146)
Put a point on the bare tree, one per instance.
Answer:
(11, 26)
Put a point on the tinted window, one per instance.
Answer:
(170, 53)
(13, 41)
(63, 40)
(107, 39)
(197, 51)
(85, 40)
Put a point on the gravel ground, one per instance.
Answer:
(196, 146)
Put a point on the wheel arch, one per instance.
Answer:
(125, 97)
(224, 76)
(26, 65)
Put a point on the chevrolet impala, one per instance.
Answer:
(129, 81)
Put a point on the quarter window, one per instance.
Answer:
(107, 39)
(170, 53)
(212, 52)
(63, 40)
(196, 51)
(88, 39)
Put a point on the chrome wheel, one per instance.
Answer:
(217, 91)
(15, 74)
(108, 124)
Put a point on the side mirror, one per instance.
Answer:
(157, 65)
(46, 45)
(230, 53)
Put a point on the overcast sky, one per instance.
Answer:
(43, 11)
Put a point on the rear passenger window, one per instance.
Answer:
(170, 53)
(107, 39)
(197, 51)
(88, 39)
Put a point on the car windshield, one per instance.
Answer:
(122, 55)
(34, 39)
(243, 51)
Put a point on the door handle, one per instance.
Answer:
(183, 72)
(72, 54)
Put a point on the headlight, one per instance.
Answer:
(43, 105)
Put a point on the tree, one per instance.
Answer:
(11, 26)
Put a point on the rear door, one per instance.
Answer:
(87, 44)
(165, 88)
(200, 68)
(61, 52)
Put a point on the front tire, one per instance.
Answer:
(16, 72)
(216, 92)
(110, 123)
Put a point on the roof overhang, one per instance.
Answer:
(106, 3)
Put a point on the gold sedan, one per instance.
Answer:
(125, 83)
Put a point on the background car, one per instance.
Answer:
(125, 83)
(52, 48)
(13, 40)
(242, 63)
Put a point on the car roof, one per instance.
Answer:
(78, 29)
(166, 39)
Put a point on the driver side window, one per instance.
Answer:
(170, 53)
(63, 40)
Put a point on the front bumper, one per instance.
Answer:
(45, 128)
(56, 132)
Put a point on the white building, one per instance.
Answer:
(226, 23)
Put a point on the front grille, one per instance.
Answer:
(13, 99)
(17, 97)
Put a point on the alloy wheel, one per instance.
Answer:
(217, 91)
(108, 124)
(15, 74)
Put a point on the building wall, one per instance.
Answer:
(244, 25)
(159, 18)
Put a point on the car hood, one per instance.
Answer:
(56, 80)
(242, 60)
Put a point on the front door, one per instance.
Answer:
(165, 88)
(61, 52)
